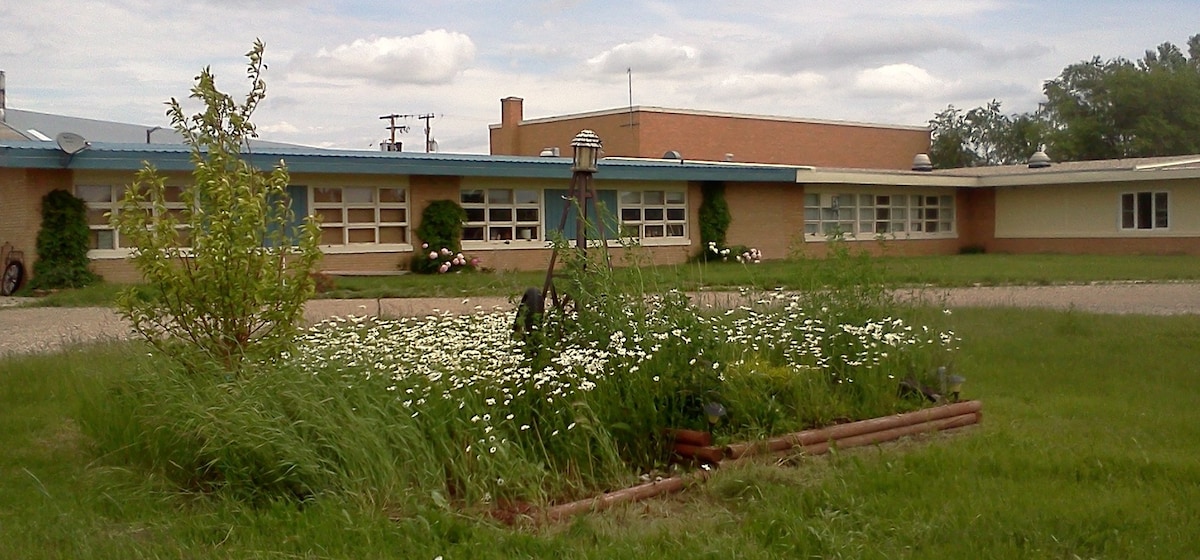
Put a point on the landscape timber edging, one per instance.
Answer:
(808, 442)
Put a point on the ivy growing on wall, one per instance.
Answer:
(62, 244)
(714, 219)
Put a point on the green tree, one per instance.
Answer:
(1101, 109)
(230, 273)
(983, 136)
(1096, 109)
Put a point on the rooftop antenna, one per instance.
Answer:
(632, 134)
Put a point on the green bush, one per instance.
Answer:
(62, 244)
(714, 221)
(441, 235)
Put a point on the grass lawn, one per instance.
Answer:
(1087, 450)
(944, 271)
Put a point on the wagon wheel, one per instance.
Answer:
(14, 274)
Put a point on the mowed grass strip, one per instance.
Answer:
(1087, 449)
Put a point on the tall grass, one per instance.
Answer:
(1086, 450)
(458, 411)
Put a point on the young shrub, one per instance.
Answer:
(714, 221)
(62, 244)
(231, 271)
(441, 233)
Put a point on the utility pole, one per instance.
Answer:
(428, 138)
(392, 127)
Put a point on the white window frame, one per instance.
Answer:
(654, 216)
(487, 224)
(887, 214)
(1131, 204)
(365, 223)
(111, 206)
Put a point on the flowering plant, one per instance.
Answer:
(744, 255)
(444, 260)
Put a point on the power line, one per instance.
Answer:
(392, 146)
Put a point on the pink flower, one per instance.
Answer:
(424, 245)
(432, 255)
(445, 251)
(444, 268)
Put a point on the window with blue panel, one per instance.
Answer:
(603, 205)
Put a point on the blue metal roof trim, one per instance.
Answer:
(175, 157)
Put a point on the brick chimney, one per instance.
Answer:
(506, 138)
(512, 111)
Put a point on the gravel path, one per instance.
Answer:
(43, 329)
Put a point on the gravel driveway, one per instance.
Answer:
(43, 329)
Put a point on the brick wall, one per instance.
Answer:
(976, 217)
(766, 216)
(710, 137)
(21, 207)
(707, 137)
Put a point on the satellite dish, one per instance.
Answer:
(672, 154)
(71, 143)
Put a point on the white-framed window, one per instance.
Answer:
(502, 214)
(865, 216)
(1145, 210)
(361, 215)
(653, 214)
(103, 200)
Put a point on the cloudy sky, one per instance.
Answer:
(335, 66)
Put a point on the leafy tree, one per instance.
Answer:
(983, 136)
(62, 243)
(229, 273)
(1120, 108)
(1097, 109)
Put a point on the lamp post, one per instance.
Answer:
(587, 150)
(586, 145)
(150, 131)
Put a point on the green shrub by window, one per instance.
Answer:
(441, 228)
(714, 219)
(62, 244)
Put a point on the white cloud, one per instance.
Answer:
(898, 80)
(433, 57)
(750, 86)
(277, 128)
(657, 54)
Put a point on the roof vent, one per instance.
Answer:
(728, 157)
(672, 154)
(921, 163)
(550, 151)
(1039, 160)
